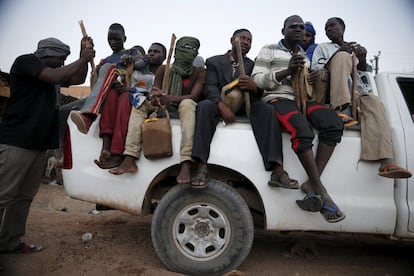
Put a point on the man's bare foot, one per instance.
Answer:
(127, 166)
(112, 162)
(330, 211)
(105, 154)
(200, 177)
(106, 146)
(184, 176)
(306, 188)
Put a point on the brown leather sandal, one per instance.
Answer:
(287, 183)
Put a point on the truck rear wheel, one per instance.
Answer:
(202, 230)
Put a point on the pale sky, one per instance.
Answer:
(379, 25)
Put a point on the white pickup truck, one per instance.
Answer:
(211, 230)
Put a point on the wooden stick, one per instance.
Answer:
(128, 76)
(303, 93)
(166, 77)
(296, 85)
(354, 87)
(94, 75)
(242, 73)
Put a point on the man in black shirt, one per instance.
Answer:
(29, 127)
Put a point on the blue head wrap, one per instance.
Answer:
(309, 28)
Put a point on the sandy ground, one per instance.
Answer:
(121, 245)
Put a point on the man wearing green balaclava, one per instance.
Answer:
(184, 90)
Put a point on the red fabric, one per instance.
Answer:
(284, 120)
(67, 150)
(114, 119)
(110, 76)
(121, 124)
(311, 108)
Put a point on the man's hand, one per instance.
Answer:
(118, 86)
(296, 62)
(87, 51)
(225, 113)
(360, 52)
(313, 77)
(87, 54)
(155, 96)
(86, 42)
(353, 47)
(127, 59)
(247, 84)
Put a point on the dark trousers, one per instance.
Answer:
(207, 118)
(268, 133)
(299, 126)
(266, 128)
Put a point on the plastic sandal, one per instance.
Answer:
(327, 212)
(310, 203)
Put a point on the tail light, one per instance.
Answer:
(67, 151)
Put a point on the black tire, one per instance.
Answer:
(202, 231)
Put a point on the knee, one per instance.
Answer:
(261, 108)
(141, 112)
(302, 145)
(187, 105)
(341, 56)
(206, 107)
(332, 134)
(303, 140)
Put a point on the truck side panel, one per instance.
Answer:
(366, 198)
(395, 90)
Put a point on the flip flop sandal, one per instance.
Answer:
(327, 210)
(275, 181)
(392, 170)
(346, 119)
(310, 203)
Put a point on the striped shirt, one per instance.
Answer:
(273, 58)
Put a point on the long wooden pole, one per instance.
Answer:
(94, 74)
(242, 73)
(166, 77)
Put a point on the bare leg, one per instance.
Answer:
(309, 164)
(323, 154)
(329, 209)
(106, 146)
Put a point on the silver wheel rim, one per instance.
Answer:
(201, 231)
